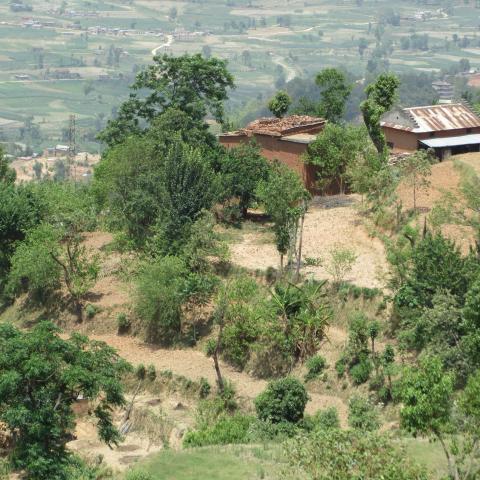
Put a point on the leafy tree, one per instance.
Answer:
(334, 150)
(283, 400)
(280, 104)
(334, 94)
(284, 198)
(436, 264)
(242, 169)
(381, 97)
(428, 409)
(20, 210)
(415, 170)
(47, 254)
(41, 377)
(160, 296)
(333, 454)
(189, 186)
(189, 83)
(32, 266)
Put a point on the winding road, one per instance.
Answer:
(164, 45)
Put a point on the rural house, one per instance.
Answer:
(283, 139)
(448, 129)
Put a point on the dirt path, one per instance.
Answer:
(290, 72)
(194, 365)
(164, 45)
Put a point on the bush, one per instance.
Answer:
(226, 431)
(205, 388)
(284, 400)
(90, 311)
(362, 415)
(141, 371)
(360, 372)
(123, 323)
(138, 475)
(341, 367)
(262, 431)
(151, 373)
(160, 295)
(315, 366)
(346, 455)
(326, 419)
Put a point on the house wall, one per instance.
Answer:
(404, 141)
(287, 152)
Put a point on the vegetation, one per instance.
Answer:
(172, 196)
(41, 377)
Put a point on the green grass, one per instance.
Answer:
(428, 454)
(214, 463)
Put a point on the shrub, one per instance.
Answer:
(204, 389)
(315, 366)
(346, 455)
(283, 400)
(160, 295)
(340, 263)
(326, 419)
(141, 371)
(264, 431)
(362, 415)
(341, 367)
(90, 311)
(151, 373)
(138, 475)
(227, 430)
(123, 323)
(360, 372)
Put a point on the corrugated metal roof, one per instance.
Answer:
(472, 139)
(443, 117)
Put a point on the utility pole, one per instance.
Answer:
(72, 147)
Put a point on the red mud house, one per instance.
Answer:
(283, 139)
(449, 129)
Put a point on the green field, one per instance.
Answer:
(242, 462)
(264, 41)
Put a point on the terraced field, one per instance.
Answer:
(80, 56)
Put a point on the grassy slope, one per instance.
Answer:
(242, 462)
(215, 463)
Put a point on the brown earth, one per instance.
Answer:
(331, 222)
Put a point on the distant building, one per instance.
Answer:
(445, 91)
(448, 129)
(284, 139)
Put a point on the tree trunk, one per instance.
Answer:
(221, 385)
(281, 264)
(452, 468)
(300, 244)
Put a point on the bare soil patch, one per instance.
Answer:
(331, 222)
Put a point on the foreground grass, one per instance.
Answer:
(239, 462)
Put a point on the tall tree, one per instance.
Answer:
(333, 150)
(191, 83)
(381, 96)
(335, 91)
(242, 169)
(7, 174)
(285, 200)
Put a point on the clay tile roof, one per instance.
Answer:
(280, 126)
(443, 117)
